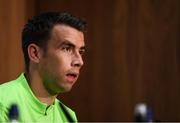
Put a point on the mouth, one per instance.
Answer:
(72, 77)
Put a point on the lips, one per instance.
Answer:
(72, 76)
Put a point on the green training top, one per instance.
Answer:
(30, 108)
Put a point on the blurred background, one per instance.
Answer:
(133, 55)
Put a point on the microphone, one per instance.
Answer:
(143, 113)
(14, 114)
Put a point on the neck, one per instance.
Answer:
(37, 87)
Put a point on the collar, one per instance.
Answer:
(31, 99)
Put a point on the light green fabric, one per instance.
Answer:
(30, 108)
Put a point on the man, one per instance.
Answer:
(53, 44)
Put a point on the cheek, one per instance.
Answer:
(49, 64)
(58, 63)
(64, 61)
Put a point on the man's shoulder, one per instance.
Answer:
(67, 110)
(63, 105)
(8, 87)
(8, 90)
(7, 97)
(11, 85)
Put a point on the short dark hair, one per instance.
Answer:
(38, 29)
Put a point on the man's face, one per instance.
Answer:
(60, 65)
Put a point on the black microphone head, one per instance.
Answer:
(143, 113)
(140, 112)
(13, 112)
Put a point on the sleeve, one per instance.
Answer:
(3, 114)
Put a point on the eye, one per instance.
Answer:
(81, 52)
(67, 48)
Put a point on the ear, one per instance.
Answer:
(34, 53)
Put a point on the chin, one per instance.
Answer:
(66, 89)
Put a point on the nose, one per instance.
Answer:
(77, 60)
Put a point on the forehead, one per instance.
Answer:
(62, 33)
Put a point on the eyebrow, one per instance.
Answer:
(68, 43)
